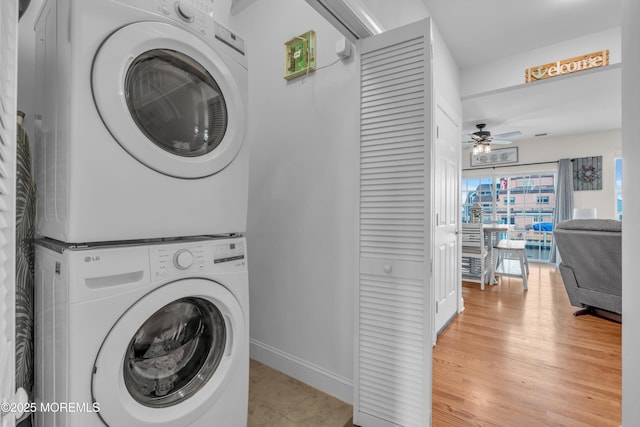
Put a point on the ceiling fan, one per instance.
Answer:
(482, 140)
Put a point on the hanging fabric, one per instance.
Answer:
(564, 199)
(25, 230)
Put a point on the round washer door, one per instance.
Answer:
(169, 99)
(168, 358)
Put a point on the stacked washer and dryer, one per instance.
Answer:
(142, 306)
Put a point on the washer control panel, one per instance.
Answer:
(230, 251)
(171, 260)
(183, 259)
(186, 11)
(176, 259)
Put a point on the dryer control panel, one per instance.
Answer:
(198, 15)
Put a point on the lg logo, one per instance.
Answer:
(91, 258)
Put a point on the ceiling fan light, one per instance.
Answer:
(476, 149)
(487, 148)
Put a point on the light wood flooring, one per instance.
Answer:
(512, 358)
(520, 358)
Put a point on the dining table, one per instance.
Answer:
(492, 234)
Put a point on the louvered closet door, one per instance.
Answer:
(8, 90)
(393, 349)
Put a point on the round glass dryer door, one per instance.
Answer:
(176, 103)
(170, 357)
(175, 352)
(170, 99)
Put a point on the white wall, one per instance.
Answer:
(301, 235)
(303, 191)
(446, 74)
(389, 14)
(606, 144)
(631, 231)
(510, 71)
(26, 65)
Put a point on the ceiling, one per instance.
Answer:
(555, 107)
(479, 32)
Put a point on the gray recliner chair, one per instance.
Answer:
(591, 267)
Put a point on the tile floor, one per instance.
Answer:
(276, 400)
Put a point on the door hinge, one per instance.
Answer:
(437, 307)
(431, 265)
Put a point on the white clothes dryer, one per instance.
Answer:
(143, 335)
(141, 121)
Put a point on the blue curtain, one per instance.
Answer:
(564, 198)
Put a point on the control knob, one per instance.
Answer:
(185, 10)
(183, 259)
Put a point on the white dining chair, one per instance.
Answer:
(584, 213)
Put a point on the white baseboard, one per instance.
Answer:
(320, 378)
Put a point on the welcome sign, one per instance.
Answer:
(568, 66)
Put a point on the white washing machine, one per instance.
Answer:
(141, 121)
(144, 335)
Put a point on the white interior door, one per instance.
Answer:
(446, 259)
(392, 384)
(8, 103)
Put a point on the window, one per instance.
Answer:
(542, 199)
(619, 189)
(523, 182)
(524, 201)
(478, 190)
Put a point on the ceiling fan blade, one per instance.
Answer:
(500, 142)
(508, 134)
